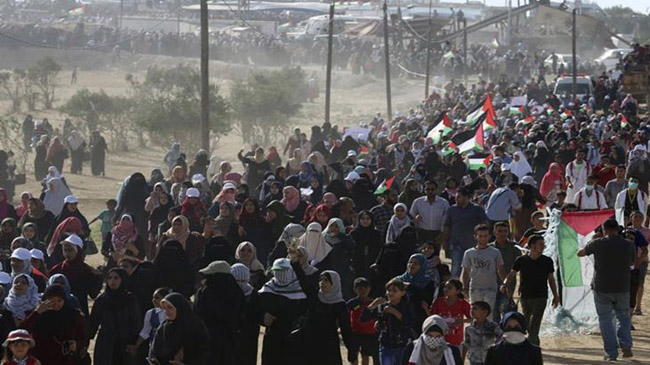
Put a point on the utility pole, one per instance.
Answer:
(121, 13)
(426, 82)
(205, 80)
(387, 62)
(328, 82)
(573, 52)
(465, 50)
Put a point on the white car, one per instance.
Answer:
(611, 57)
(564, 86)
(562, 58)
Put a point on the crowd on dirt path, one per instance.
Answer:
(338, 231)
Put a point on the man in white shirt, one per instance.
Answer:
(630, 200)
(429, 213)
(589, 198)
(576, 175)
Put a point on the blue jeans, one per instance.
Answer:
(391, 356)
(609, 305)
(456, 260)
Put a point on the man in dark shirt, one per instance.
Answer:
(613, 256)
(536, 271)
(509, 253)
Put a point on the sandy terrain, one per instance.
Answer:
(354, 98)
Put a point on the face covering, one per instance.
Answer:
(433, 343)
(633, 185)
(513, 336)
(589, 187)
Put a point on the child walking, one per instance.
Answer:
(364, 337)
(17, 346)
(152, 319)
(454, 309)
(394, 320)
(106, 217)
(480, 334)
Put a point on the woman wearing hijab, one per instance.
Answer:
(200, 163)
(84, 280)
(177, 271)
(219, 304)
(255, 168)
(247, 338)
(367, 244)
(276, 219)
(281, 302)
(314, 243)
(552, 183)
(58, 329)
(30, 233)
(519, 166)
(21, 264)
(158, 216)
(54, 196)
(294, 207)
(131, 199)
(98, 148)
(291, 232)
(431, 348)
(77, 146)
(326, 313)
(246, 254)
(71, 225)
(421, 287)
(40, 152)
(293, 164)
(274, 158)
(180, 232)
(316, 186)
(253, 229)
(60, 279)
(193, 209)
(56, 153)
(123, 240)
(182, 338)
(275, 193)
(116, 320)
(514, 348)
(320, 165)
(71, 209)
(22, 299)
(172, 156)
(307, 172)
(156, 177)
(8, 232)
(541, 160)
(226, 224)
(153, 200)
(397, 222)
(21, 208)
(36, 214)
(339, 257)
(410, 193)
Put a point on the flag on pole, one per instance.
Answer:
(385, 186)
(516, 110)
(441, 129)
(77, 11)
(489, 122)
(449, 149)
(475, 143)
(528, 120)
(475, 114)
(476, 163)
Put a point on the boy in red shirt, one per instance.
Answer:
(364, 336)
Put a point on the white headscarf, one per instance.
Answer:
(428, 350)
(213, 168)
(19, 305)
(520, 168)
(255, 264)
(314, 242)
(75, 140)
(55, 195)
(334, 295)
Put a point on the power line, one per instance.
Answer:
(96, 46)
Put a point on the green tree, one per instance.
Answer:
(264, 103)
(168, 107)
(103, 112)
(43, 74)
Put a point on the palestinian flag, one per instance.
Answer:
(516, 110)
(77, 11)
(385, 186)
(449, 149)
(441, 129)
(476, 163)
(475, 143)
(571, 232)
(475, 115)
(489, 123)
(528, 120)
(624, 121)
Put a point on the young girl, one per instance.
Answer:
(394, 317)
(454, 309)
(17, 346)
(152, 319)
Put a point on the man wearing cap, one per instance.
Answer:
(21, 264)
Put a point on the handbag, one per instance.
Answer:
(90, 247)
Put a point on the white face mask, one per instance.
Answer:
(514, 337)
(433, 343)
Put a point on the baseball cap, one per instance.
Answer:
(75, 240)
(215, 267)
(21, 254)
(281, 264)
(37, 254)
(197, 178)
(229, 186)
(70, 199)
(192, 193)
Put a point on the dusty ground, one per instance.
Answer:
(353, 99)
